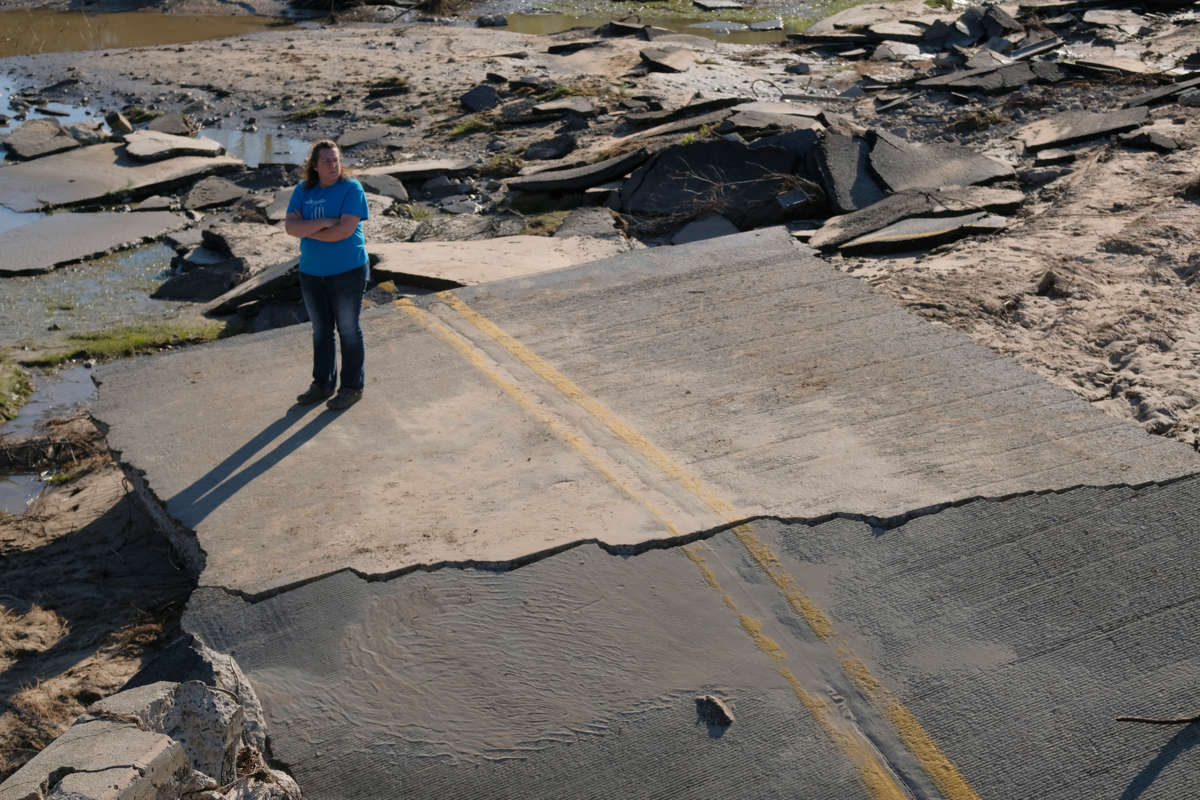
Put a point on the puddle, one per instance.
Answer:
(66, 115)
(12, 219)
(17, 490)
(29, 31)
(55, 394)
(259, 148)
(92, 295)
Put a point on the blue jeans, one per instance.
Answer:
(335, 301)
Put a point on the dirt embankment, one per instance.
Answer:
(89, 587)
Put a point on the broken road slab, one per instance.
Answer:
(924, 232)
(779, 384)
(480, 261)
(577, 674)
(96, 172)
(65, 238)
(1078, 126)
(567, 180)
(902, 165)
(147, 145)
(902, 205)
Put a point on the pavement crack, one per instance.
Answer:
(878, 525)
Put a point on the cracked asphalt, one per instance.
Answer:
(570, 504)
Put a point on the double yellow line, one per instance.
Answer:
(875, 775)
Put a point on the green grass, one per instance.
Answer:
(561, 91)
(399, 120)
(415, 211)
(395, 82)
(501, 165)
(470, 125)
(130, 340)
(308, 112)
(15, 388)
(137, 114)
(544, 224)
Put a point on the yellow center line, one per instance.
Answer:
(878, 780)
(445, 334)
(874, 775)
(940, 769)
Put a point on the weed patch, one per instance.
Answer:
(131, 340)
(15, 388)
(308, 112)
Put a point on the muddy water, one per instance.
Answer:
(259, 148)
(30, 31)
(55, 394)
(98, 294)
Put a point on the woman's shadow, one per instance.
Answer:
(1179, 744)
(192, 505)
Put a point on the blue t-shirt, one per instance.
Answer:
(329, 258)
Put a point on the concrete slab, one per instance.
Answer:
(65, 238)
(39, 137)
(902, 165)
(902, 205)
(480, 261)
(924, 232)
(737, 367)
(1077, 126)
(419, 169)
(101, 758)
(576, 178)
(96, 172)
(669, 59)
(846, 174)
(148, 145)
(978, 650)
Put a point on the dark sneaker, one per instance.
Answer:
(314, 394)
(343, 400)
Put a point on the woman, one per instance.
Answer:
(326, 214)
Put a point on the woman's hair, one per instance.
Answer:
(311, 178)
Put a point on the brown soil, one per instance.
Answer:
(90, 589)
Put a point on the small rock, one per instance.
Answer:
(797, 69)
(441, 186)
(39, 137)
(1149, 140)
(548, 149)
(87, 132)
(385, 185)
(117, 122)
(211, 192)
(1046, 284)
(481, 98)
(491, 21)
(713, 711)
(175, 122)
(1190, 98)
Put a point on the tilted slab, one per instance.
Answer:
(781, 385)
(902, 205)
(480, 261)
(921, 232)
(419, 169)
(65, 238)
(960, 629)
(907, 165)
(566, 180)
(96, 172)
(1078, 126)
(147, 145)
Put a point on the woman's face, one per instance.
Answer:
(329, 166)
